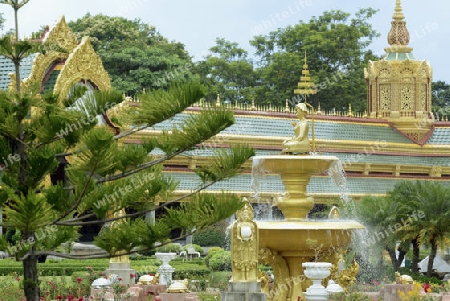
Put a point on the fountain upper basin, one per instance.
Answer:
(288, 164)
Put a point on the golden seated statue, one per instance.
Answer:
(299, 143)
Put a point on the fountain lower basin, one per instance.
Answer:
(290, 238)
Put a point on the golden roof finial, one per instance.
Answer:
(398, 14)
(398, 36)
(318, 112)
(306, 86)
(350, 113)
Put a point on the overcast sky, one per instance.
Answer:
(197, 23)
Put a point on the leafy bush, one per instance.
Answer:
(211, 252)
(196, 247)
(220, 261)
(215, 235)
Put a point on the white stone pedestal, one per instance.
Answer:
(165, 270)
(240, 291)
(123, 270)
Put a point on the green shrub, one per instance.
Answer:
(215, 235)
(220, 261)
(196, 247)
(211, 252)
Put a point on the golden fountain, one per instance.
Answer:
(286, 244)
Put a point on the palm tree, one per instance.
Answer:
(433, 223)
(379, 215)
(403, 194)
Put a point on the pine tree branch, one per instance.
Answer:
(77, 203)
(95, 255)
(69, 222)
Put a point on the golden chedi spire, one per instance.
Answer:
(306, 86)
(398, 36)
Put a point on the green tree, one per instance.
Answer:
(227, 71)
(134, 54)
(336, 48)
(432, 225)
(403, 194)
(440, 98)
(378, 214)
(48, 214)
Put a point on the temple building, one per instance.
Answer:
(398, 139)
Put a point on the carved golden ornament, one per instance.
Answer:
(63, 36)
(82, 65)
(385, 72)
(406, 98)
(398, 35)
(281, 287)
(348, 276)
(60, 35)
(436, 171)
(385, 95)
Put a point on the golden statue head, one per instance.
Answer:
(301, 107)
(246, 213)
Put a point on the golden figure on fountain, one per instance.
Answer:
(299, 143)
(244, 245)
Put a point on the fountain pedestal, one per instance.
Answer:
(316, 271)
(165, 270)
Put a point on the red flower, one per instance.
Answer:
(299, 298)
(59, 297)
(18, 278)
(132, 275)
(120, 278)
(79, 279)
(81, 299)
(70, 297)
(427, 288)
(41, 298)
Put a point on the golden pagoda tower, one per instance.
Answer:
(399, 86)
(306, 87)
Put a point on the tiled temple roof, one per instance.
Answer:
(344, 157)
(263, 126)
(272, 184)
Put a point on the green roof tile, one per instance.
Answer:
(272, 184)
(440, 136)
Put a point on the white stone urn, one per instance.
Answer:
(165, 270)
(316, 271)
(165, 257)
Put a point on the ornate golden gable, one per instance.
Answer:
(82, 65)
(60, 35)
